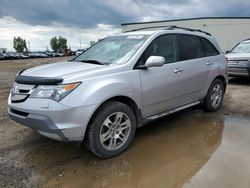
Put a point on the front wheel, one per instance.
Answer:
(214, 97)
(111, 130)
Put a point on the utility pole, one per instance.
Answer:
(29, 45)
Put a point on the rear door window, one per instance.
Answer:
(189, 47)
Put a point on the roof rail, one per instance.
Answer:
(170, 27)
(188, 29)
(246, 39)
(151, 27)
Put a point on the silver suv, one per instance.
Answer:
(119, 84)
(239, 60)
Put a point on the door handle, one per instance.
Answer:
(177, 70)
(209, 63)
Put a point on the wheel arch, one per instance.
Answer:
(130, 102)
(123, 99)
(207, 100)
(222, 78)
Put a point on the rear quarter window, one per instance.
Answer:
(209, 48)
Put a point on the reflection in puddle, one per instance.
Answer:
(229, 166)
(165, 153)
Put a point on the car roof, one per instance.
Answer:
(171, 29)
(166, 29)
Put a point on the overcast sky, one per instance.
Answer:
(80, 20)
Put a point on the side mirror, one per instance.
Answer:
(155, 61)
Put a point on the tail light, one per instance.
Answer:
(226, 60)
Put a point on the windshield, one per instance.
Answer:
(117, 49)
(242, 48)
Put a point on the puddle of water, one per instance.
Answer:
(230, 165)
(165, 153)
(204, 150)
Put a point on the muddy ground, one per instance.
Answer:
(189, 149)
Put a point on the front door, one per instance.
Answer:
(163, 87)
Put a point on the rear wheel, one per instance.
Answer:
(214, 97)
(111, 130)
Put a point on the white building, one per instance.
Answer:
(227, 30)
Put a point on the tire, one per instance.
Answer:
(214, 97)
(111, 130)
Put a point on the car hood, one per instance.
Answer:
(238, 56)
(63, 69)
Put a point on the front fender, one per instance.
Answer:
(98, 90)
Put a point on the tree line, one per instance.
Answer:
(57, 44)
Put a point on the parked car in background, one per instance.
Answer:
(24, 56)
(59, 54)
(15, 55)
(50, 54)
(239, 59)
(119, 84)
(6, 56)
(38, 54)
(79, 51)
(1, 56)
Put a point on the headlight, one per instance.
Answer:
(57, 92)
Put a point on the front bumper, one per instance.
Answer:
(41, 124)
(52, 119)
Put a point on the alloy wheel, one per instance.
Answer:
(115, 131)
(216, 95)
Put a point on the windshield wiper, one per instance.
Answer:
(92, 61)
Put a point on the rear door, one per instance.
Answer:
(194, 65)
(213, 60)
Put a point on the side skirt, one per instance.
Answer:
(168, 112)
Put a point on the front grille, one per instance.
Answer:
(20, 92)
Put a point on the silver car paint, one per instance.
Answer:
(242, 59)
(149, 89)
(238, 56)
(238, 62)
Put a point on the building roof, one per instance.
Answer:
(185, 19)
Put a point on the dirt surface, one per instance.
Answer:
(189, 149)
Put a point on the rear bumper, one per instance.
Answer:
(239, 71)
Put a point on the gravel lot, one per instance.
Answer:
(190, 149)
